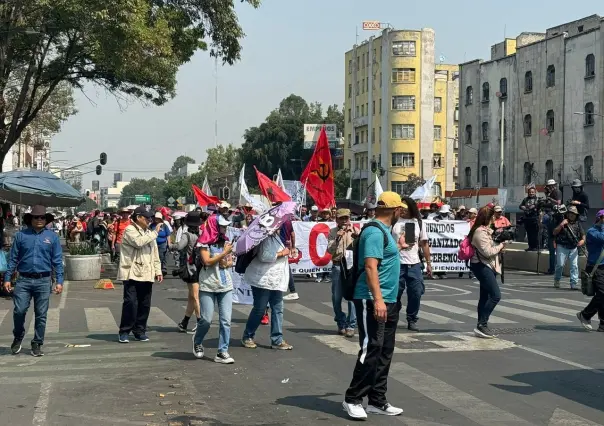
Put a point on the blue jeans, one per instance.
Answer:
(412, 279)
(274, 299)
(490, 295)
(564, 253)
(25, 289)
(163, 249)
(340, 318)
(225, 309)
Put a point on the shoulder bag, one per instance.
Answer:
(587, 279)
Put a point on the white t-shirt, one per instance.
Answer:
(409, 255)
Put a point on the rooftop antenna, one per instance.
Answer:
(216, 102)
(356, 35)
(505, 27)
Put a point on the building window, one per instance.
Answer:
(349, 115)
(403, 75)
(356, 88)
(469, 95)
(437, 161)
(356, 112)
(356, 138)
(589, 114)
(358, 63)
(349, 164)
(456, 160)
(588, 165)
(484, 176)
(528, 173)
(528, 82)
(438, 192)
(349, 140)
(363, 86)
(403, 159)
(373, 107)
(403, 48)
(549, 121)
(504, 176)
(437, 133)
(380, 105)
(590, 65)
(468, 178)
(505, 129)
(485, 92)
(403, 131)
(469, 134)
(362, 110)
(438, 104)
(367, 84)
(397, 186)
(350, 90)
(363, 60)
(373, 134)
(528, 125)
(485, 131)
(403, 103)
(503, 87)
(350, 66)
(550, 78)
(549, 170)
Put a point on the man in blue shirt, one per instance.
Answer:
(35, 253)
(162, 240)
(375, 297)
(595, 247)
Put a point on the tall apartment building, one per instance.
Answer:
(401, 111)
(550, 86)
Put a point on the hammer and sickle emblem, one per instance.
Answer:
(324, 171)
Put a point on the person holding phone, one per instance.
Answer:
(411, 236)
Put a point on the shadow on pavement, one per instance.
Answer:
(571, 328)
(318, 403)
(179, 299)
(109, 337)
(181, 356)
(581, 386)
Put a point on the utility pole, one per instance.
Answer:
(502, 130)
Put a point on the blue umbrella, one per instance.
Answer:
(30, 187)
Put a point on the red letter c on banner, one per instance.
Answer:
(319, 228)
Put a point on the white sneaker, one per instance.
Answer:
(354, 411)
(197, 349)
(291, 296)
(385, 410)
(223, 358)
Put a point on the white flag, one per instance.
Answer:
(279, 181)
(245, 194)
(424, 192)
(206, 187)
(373, 192)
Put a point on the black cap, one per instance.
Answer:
(142, 211)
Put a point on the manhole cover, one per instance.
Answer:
(513, 330)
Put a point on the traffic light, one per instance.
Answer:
(99, 170)
(382, 171)
(373, 166)
(225, 193)
(103, 160)
(87, 193)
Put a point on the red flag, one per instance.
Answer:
(204, 199)
(318, 175)
(270, 189)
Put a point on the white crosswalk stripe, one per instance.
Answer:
(52, 321)
(423, 315)
(542, 306)
(548, 319)
(100, 319)
(318, 317)
(158, 318)
(245, 310)
(464, 312)
(563, 301)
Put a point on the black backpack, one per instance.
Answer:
(244, 260)
(349, 277)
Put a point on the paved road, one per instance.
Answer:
(544, 369)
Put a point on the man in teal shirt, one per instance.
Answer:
(377, 311)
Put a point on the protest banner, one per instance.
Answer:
(242, 292)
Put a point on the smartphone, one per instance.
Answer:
(410, 233)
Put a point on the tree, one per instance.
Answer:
(179, 163)
(412, 183)
(87, 205)
(342, 182)
(153, 187)
(334, 115)
(130, 48)
(77, 185)
(221, 167)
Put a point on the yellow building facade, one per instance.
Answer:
(401, 112)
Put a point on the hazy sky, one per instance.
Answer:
(291, 47)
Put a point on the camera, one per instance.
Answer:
(504, 234)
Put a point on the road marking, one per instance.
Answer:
(455, 399)
(564, 418)
(456, 289)
(523, 313)
(215, 319)
(45, 368)
(577, 303)
(245, 310)
(100, 319)
(410, 421)
(41, 408)
(63, 299)
(542, 306)
(52, 321)
(436, 319)
(458, 342)
(158, 318)
(318, 317)
(3, 313)
(465, 312)
(562, 360)
(103, 419)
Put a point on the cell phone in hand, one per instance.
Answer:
(410, 233)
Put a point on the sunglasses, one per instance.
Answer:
(38, 217)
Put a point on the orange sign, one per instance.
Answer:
(372, 25)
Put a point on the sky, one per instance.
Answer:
(290, 47)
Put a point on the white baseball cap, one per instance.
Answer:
(314, 209)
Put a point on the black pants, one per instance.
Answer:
(136, 307)
(532, 233)
(370, 377)
(291, 286)
(596, 306)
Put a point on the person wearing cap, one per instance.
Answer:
(139, 269)
(313, 216)
(499, 220)
(339, 241)
(580, 199)
(369, 213)
(224, 209)
(36, 252)
(595, 248)
(552, 195)
(471, 216)
(444, 213)
(375, 297)
(411, 276)
(569, 237)
(215, 288)
(530, 220)
(162, 239)
(461, 213)
(184, 247)
(325, 215)
(119, 227)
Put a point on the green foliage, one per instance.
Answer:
(81, 249)
(128, 47)
(412, 183)
(87, 205)
(222, 165)
(342, 181)
(153, 187)
(180, 162)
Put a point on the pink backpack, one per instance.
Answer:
(466, 250)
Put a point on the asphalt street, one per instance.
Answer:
(543, 370)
